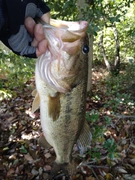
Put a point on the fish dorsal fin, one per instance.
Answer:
(36, 102)
(84, 141)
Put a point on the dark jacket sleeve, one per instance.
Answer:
(43, 7)
(16, 12)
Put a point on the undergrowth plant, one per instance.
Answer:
(15, 71)
(120, 89)
(98, 130)
(116, 96)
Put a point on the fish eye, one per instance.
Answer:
(85, 49)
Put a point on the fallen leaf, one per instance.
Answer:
(90, 178)
(121, 170)
(108, 176)
(47, 168)
(28, 157)
(47, 155)
(34, 172)
(11, 119)
(129, 177)
(132, 161)
(101, 177)
(10, 172)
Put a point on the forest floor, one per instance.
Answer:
(112, 152)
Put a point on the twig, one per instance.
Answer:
(90, 166)
(124, 116)
(94, 174)
(58, 176)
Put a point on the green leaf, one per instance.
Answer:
(23, 150)
(6, 148)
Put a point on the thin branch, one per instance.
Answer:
(125, 116)
(94, 174)
(90, 166)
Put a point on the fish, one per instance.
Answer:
(61, 88)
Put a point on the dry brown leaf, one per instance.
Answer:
(108, 176)
(90, 178)
(121, 170)
(28, 157)
(34, 172)
(129, 166)
(132, 161)
(76, 177)
(10, 172)
(101, 177)
(47, 168)
(129, 177)
(17, 171)
(48, 155)
(11, 119)
(126, 127)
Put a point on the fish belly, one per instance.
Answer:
(62, 132)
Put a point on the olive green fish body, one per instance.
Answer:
(62, 109)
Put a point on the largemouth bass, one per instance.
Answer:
(61, 82)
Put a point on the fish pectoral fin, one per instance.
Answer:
(36, 103)
(84, 141)
(34, 92)
(54, 106)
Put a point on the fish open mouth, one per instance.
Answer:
(58, 66)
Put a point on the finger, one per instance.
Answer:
(38, 32)
(42, 47)
(30, 25)
(34, 43)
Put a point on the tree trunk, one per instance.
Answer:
(81, 5)
(103, 52)
(115, 67)
(117, 52)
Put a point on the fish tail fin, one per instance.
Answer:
(67, 169)
(84, 141)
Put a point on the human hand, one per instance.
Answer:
(37, 33)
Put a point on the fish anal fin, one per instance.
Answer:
(84, 141)
(43, 142)
(54, 106)
(36, 103)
